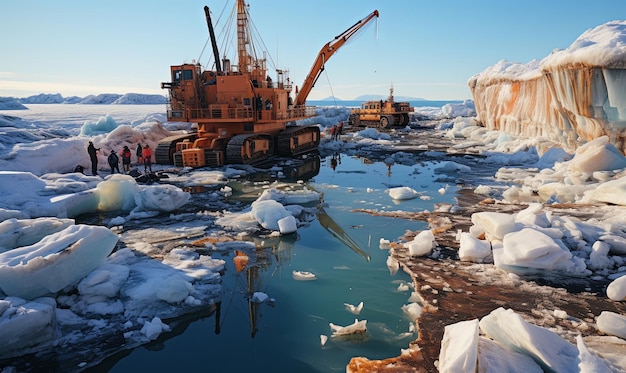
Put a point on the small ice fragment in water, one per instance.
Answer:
(323, 339)
(356, 327)
(402, 193)
(303, 276)
(259, 297)
(354, 309)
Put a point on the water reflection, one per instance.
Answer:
(249, 266)
(307, 167)
(333, 228)
(335, 160)
(284, 333)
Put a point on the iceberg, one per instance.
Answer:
(572, 96)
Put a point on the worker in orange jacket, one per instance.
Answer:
(147, 158)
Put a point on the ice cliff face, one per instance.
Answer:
(572, 96)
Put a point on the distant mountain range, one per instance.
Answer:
(101, 99)
(374, 97)
(12, 103)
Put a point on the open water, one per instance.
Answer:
(341, 248)
(352, 103)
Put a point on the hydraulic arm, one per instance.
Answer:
(325, 53)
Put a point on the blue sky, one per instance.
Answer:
(426, 49)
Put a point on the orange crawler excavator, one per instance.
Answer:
(242, 115)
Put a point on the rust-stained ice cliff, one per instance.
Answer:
(570, 97)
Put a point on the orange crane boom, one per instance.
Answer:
(325, 53)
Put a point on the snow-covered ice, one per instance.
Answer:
(137, 292)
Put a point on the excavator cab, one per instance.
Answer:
(184, 91)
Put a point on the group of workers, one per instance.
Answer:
(144, 156)
(336, 130)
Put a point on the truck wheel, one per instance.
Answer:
(384, 122)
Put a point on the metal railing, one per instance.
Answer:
(221, 112)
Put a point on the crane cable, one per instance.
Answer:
(331, 88)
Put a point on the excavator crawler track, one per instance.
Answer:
(164, 152)
(298, 140)
(243, 149)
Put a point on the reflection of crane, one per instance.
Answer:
(246, 192)
(241, 261)
(255, 262)
(333, 228)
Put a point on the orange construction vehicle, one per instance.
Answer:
(381, 113)
(242, 115)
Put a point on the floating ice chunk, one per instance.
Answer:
(323, 339)
(547, 348)
(288, 224)
(598, 258)
(358, 327)
(118, 192)
(533, 215)
(268, 212)
(533, 249)
(613, 191)
(16, 233)
(393, 265)
(423, 243)
(290, 197)
(560, 314)
(617, 243)
(495, 224)
(493, 357)
(403, 287)
(589, 363)
(372, 133)
(259, 297)
(483, 189)
(402, 193)
(617, 289)
(165, 198)
(596, 155)
(553, 155)
(354, 309)
(559, 192)
(105, 280)
(612, 323)
(471, 249)
(25, 324)
(59, 260)
(226, 191)
(449, 167)
(152, 329)
(459, 347)
(174, 290)
(303, 276)
(413, 310)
